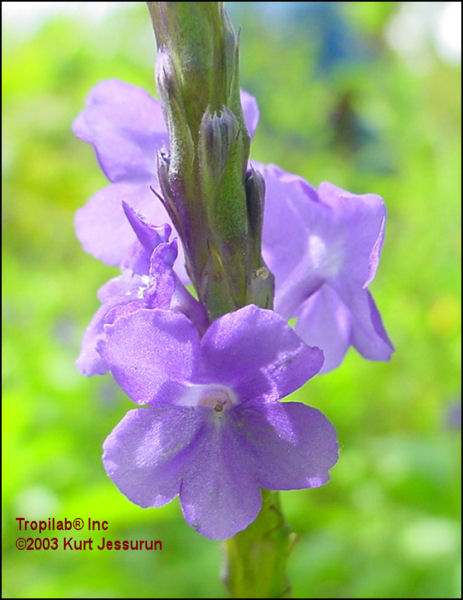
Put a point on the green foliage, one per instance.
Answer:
(387, 525)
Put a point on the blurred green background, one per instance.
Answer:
(353, 93)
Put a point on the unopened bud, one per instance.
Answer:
(255, 197)
(165, 76)
(217, 136)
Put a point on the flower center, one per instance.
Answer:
(215, 396)
(145, 281)
(218, 399)
(323, 259)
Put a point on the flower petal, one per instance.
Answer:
(137, 258)
(144, 455)
(360, 220)
(219, 495)
(326, 322)
(148, 235)
(255, 351)
(288, 199)
(151, 353)
(163, 279)
(102, 227)
(126, 127)
(122, 285)
(283, 464)
(89, 361)
(104, 230)
(368, 334)
(250, 112)
(315, 236)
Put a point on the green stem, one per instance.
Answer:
(255, 559)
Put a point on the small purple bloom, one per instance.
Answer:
(323, 246)
(147, 281)
(212, 429)
(126, 128)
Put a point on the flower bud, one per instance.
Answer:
(217, 136)
(255, 196)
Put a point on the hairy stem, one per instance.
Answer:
(255, 559)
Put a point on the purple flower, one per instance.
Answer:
(323, 246)
(147, 281)
(212, 429)
(126, 128)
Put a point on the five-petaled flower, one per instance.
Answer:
(323, 246)
(211, 428)
(147, 281)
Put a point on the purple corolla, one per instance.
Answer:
(147, 281)
(323, 247)
(210, 427)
